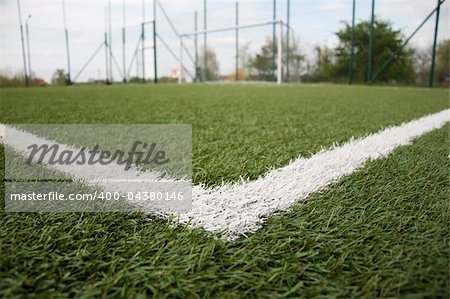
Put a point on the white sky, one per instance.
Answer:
(314, 23)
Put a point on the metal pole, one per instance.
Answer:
(28, 49)
(352, 47)
(222, 29)
(369, 61)
(143, 51)
(66, 33)
(23, 45)
(110, 43)
(205, 50)
(180, 73)
(273, 36)
(155, 61)
(106, 58)
(137, 61)
(237, 41)
(134, 58)
(433, 56)
(196, 45)
(397, 51)
(279, 51)
(106, 47)
(287, 38)
(88, 61)
(172, 26)
(143, 41)
(124, 64)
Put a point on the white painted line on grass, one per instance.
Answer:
(236, 209)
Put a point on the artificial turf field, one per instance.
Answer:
(380, 232)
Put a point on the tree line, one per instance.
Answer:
(332, 64)
(326, 64)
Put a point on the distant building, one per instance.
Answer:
(38, 82)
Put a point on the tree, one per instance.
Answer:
(322, 68)
(260, 66)
(10, 78)
(385, 41)
(60, 77)
(211, 72)
(442, 62)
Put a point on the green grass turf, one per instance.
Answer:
(380, 232)
(237, 130)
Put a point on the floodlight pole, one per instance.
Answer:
(352, 47)
(237, 41)
(369, 62)
(279, 53)
(23, 45)
(433, 56)
(28, 49)
(287, 38)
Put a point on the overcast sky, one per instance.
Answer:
(314, 23)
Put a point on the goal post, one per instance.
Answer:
(182, 48)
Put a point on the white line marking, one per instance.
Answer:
(236, 209)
